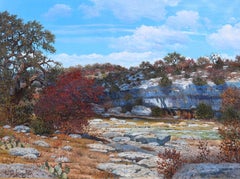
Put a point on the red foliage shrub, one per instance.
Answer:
(204, 151)
(231, 98)
(230, 145)
(169, 162)
(67, 104)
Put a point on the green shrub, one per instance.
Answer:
(40, 127)
(139, 101)
(229, 114)
(204, 111)
(114, 88)
(199, 81)
(126, 108)
(21, 114)
(187, 75)
(128, 96)
(157, 112)
(165, 82)
(218, 80)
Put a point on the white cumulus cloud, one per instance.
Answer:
(58, 10)
(227, 37)
(129, 10)
(184, 20)
(151, 38)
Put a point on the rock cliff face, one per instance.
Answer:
(181, 95)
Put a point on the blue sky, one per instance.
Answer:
(127, 32)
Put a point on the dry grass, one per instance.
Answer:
(83, 161)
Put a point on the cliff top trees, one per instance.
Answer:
(174, 58)
(23, 49)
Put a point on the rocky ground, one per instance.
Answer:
(120, 148)
(133, 145)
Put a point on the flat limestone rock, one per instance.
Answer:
(22, 171)
(18, 151)
(209, 170)
(41, 143)
(123, 170)
(137, 156)
(149, 163)
(100, 147)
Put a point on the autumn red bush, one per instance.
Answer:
(230, 144)
(67, 104)
(169, 162)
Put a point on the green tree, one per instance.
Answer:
(204, 111)
(23, 58)
(173, 58)
(199, 81)
(165, 81)
(203, 61)
(157, 111)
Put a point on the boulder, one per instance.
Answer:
(22, 171)
(18, 151)
(133, 135)
(162, 139)
(67, 148)
(115, 110)
(22, 128)
(110, 135)
(41, 143)
(209, 170)
(113, 119)
(7, 127)
(75, 136)
(6, 138)
(126, 147)
(62, 160)
(149, 163)
(147, 140)
(30, 157)
(100, 148)
(135, 156)
(121, 139)
(141, 111)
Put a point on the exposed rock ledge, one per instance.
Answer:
(22, 171)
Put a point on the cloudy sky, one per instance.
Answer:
(127, 32)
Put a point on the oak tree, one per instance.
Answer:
(23, 58)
